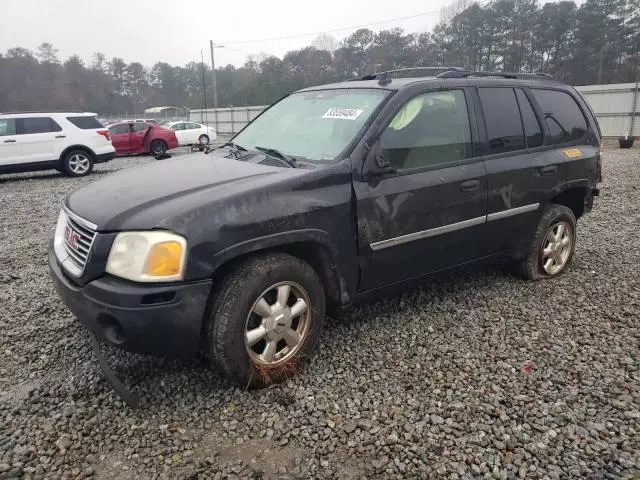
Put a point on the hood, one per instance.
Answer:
(145, 197)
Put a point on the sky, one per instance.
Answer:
(176, 31)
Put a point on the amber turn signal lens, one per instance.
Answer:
(164, 259)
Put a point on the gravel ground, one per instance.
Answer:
(476, 374)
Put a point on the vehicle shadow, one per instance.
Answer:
(22, 177)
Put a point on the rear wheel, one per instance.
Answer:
(266, 320)
(77, 163)
(553, 244)
(158, 148)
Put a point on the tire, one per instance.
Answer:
(234, 314)
(77, 163)
(203, 140)
(626, 142)
(158, 148)
(554, 241)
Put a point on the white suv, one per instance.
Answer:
(70, 142)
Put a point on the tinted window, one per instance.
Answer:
(532, 130)
(139, 126)
(178, 126)
(37, 125)
(192, 126)
(502, 117)
(430, 129)
(85, 123)
(7, 127)
(563, 117)
(119, 129)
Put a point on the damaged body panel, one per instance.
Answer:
(330, 195)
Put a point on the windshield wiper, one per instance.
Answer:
(275, 153)
(236, 149)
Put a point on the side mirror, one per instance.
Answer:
(376, 163)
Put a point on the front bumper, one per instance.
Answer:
(162, 320)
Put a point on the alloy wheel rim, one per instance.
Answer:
(556, 248)
(79, 163)
(277, 324)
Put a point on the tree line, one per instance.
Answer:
(597, 41)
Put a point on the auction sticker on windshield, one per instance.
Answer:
(343, 113)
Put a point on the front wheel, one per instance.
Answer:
(158, 148)
(203, 140)
(266, 320)
(553, 244)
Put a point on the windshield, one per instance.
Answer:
(316, 125)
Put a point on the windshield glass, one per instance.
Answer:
(316, 125)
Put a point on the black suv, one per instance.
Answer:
(331, 195)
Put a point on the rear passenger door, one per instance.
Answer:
(521, 173)
(120, 137)
(39, 137)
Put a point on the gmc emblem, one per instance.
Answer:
(72, 238)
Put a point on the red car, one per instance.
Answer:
(141, 137)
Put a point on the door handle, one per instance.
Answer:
(470, 186)
(61, 136)
(9, 141)
(549, 169)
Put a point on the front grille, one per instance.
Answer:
(78, 239)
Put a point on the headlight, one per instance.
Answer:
(148, 256)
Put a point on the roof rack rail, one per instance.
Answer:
(385, 77)
(44, 112)
(511, 75)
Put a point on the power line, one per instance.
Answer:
(397, 19)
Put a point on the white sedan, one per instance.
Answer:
(191, 133)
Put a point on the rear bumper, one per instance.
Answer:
(105, 157)
(163, 320)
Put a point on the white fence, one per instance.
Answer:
(227, 120)
(612, 105)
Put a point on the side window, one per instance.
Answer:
(194, 126)
(178, 126)
(502, 117)
(431, 129)
(563, 117)
(119, 129)
(30, 125)
(140, 126)
(532, 130)
(7, 127)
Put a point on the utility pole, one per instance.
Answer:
(213, 70)
(215, 87)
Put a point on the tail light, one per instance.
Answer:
(106, 134)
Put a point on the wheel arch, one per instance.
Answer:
(574, 197)
(311, 246)
(77, 147)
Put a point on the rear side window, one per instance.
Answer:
(140, 126)
(532, 130)
(7, 127)
(563, 117)
(502, 117)
(86, 123)
(119, 129)
(30, 125)
(178, 126)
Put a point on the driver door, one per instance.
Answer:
(427, 212)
